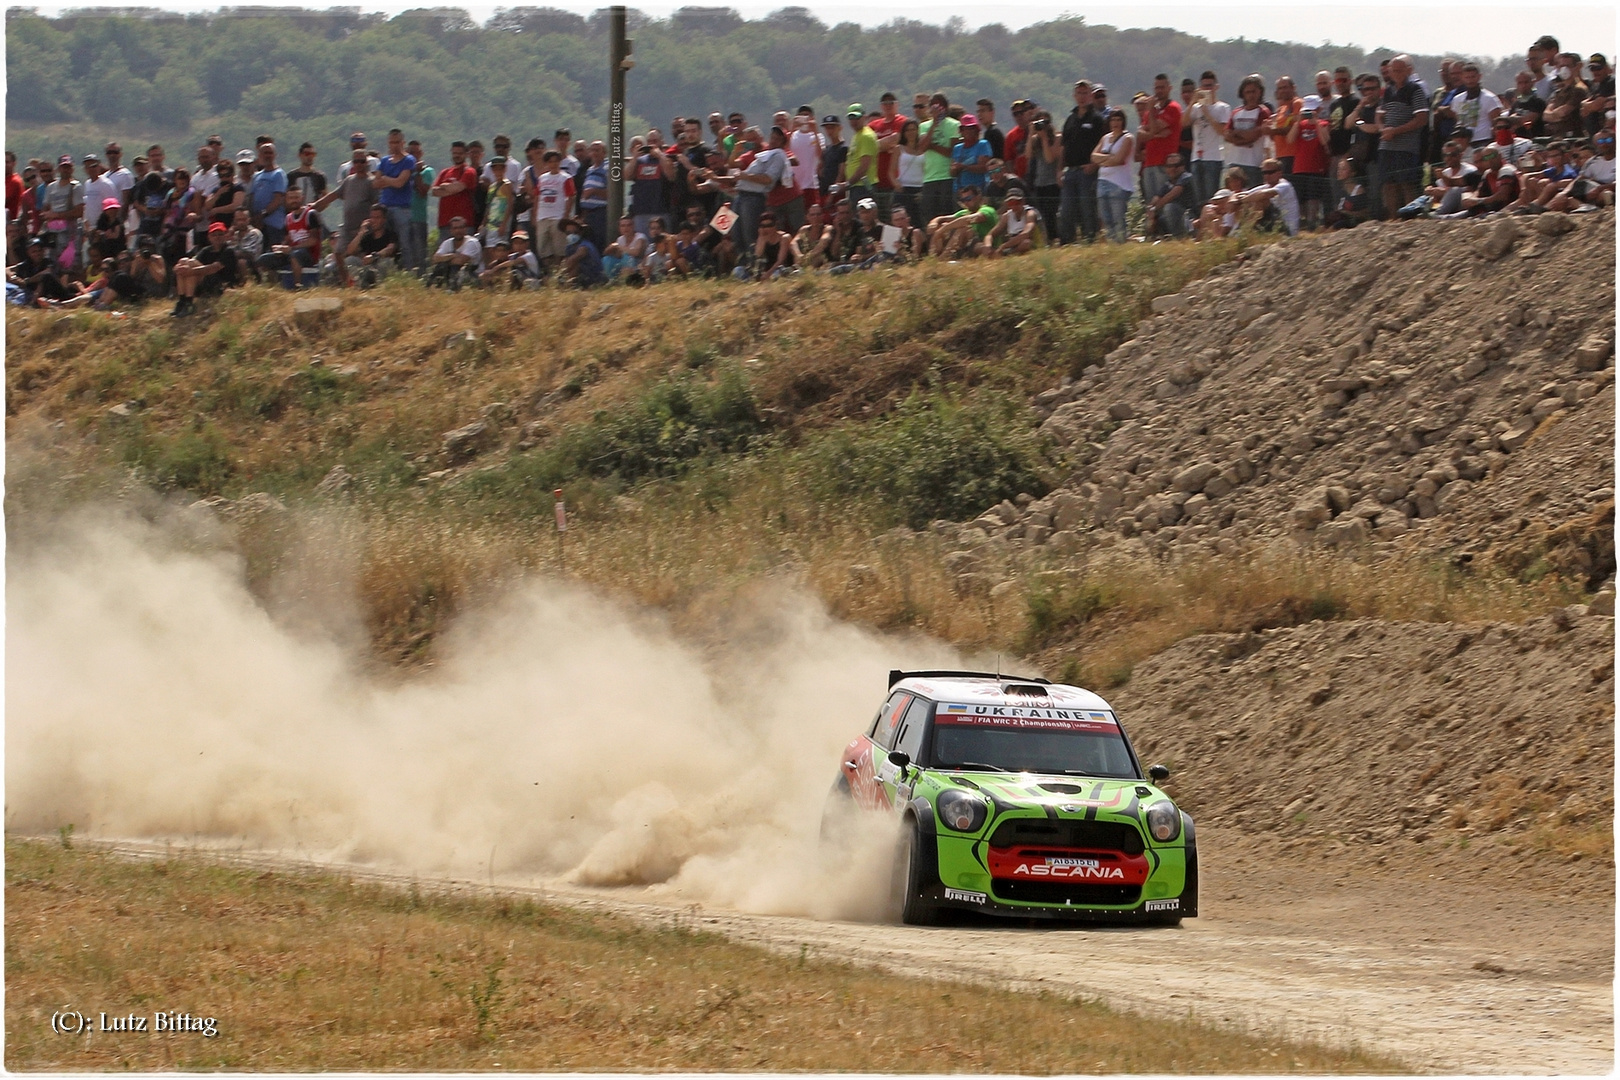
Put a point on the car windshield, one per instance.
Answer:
(1092, 746)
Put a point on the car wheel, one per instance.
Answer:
(912, 874)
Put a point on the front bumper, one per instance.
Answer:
(1145, 912)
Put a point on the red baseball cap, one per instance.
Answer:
(218, 226)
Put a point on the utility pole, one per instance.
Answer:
(619, 58)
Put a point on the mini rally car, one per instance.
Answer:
(1018, 797)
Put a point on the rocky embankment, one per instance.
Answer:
(1435, 386)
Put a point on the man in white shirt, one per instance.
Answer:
(98, 188)
(456, 262)
(1208, 116)
(120, 177)
(1277, 191)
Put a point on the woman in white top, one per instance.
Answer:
(1245, 130)
(908, 178)
(1115, 157)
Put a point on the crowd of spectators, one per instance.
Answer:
(722, 196)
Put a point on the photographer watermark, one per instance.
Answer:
(73, 1022)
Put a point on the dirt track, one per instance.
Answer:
(1444, 975)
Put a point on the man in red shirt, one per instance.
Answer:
(1159, 137)
(454, 188)
(14, 188)
(1018, 140)
(886, 126)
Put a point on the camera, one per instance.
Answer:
(1040, 125)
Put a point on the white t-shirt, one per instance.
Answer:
(1207, 142)
(1599, 170)
(1124, 175)
(551, 194)
(804, 145)
(911, 169)
(470, 247)
(1474, 114)
(1251, 155)
(96, 192)
(206, 181)
(1287, 202)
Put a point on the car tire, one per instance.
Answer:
(913, 872)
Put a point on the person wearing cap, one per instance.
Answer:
(861, 169)
(357, 141)
(582, 266)
(1311, 162)
(206, 272)
(38, 275)
(107, 236)
(1599, 103)
(1016, 145)
(937, 138)
(1018, 230)
(63, 213)
(834, 155)
(970, 158)
(1082, 130)
(962, 234)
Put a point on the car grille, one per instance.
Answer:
(1093, 835)
(1063, 892)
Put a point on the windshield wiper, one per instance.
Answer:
(976, 765)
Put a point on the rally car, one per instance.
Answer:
(1017, 797)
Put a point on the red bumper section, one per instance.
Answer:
(1067, 876)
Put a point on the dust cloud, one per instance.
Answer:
(150, 695)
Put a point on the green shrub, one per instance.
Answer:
(197, 460)
(935, 457)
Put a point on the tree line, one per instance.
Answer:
(139, 74)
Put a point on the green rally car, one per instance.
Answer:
(1018, 797)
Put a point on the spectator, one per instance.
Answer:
(962, 234)
(813, 241)
(96, 190)
(1278, 198)
(1219, 215)
(228, 197)
(1159, 136)
(1472, 107)
(1208, 117)
(371, 255)
(1310, 177)
(1189, 95)
(1017, 141)
(119, 176)
(804, 144)
(773, 250)
(514, 265)
(309, 180)
(551, 194)
(623, 257)
(1341, 120)
(886, 127)
(212, 270)
(456, 262)
(909, 165)
(357, 141)
(499, 207)
(1115, 158)
(834, 155)
(62, 213)
(393, 182)
(970, 158)
(1512, 146)
(267, 196)
(455, 188)
(1594, 186)
(1172, 211)
(985, 112)
(593, 197)
(39, 276)
(651, 171)
(754, 183)
(583, 263)
(1526, 106)
(480, 192)
(912, 243)
(358, 196)
(1562, 116)
(1599, 103)
(1405, 115)
(1045, 157)
(1284, 119)
(107, 238)
(413, 249)
(1442, 118)
(937, 137)
(1498, 185)
(1082, 131)
(301, 246)
(178, 219)
(148, 275)
(1245, 128)
(861, 168)
(1018, 231)
(1366, 147)
(1536, 59)
(245, 240)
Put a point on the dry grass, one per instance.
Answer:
(308, 972)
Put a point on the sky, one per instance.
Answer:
(1481, 28)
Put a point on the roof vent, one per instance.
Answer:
(1023, 690)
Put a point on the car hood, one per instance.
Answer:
(1059, 792)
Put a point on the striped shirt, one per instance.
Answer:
(1400, 106)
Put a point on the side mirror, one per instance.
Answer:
(1158, 773)
(899, 759)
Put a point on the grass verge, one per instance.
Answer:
(312, 971)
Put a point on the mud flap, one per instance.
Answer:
(1189, 892)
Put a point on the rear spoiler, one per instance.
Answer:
(895, 675)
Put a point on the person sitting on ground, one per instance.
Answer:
(456, 262)
(913, 243)
(514, 265)
(960, 235)
(1454, 179)
(304, 231)
(208, 272)
(660, 260)
(582, 265)
(149, 270)
(91, 294)
(370, 256)
(38, 275)
(622, 259)
(813, 242)
(773, 252)
(1018, 231)
(1171, 211)
(1220, 215)
(1498, 185)
(869, 250)
(1594, 185)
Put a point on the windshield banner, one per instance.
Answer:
(1026, 717)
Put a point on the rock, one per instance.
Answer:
(1602, 603)
(469, 441)
(314, 309)
(1194, 508)
(1516, 436)
(969, 585)
(1501, 239)
(1194, 477)
(961, 562)
(1068, 510)
(1553, 225)
(1037, 534)
(1107, 503)
(1163, 305)
(497, 412)
(1353, 385)
(1218, 485)
(463, 337)
(1005, 511)
(1450, 497)
(256, 504)
(1313, 510)
(1002, 590)
(123, 410)
(1593, 353)
(1121, 410)
(337, 481)
(1546, 407)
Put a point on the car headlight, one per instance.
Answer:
(960, 810)
(1164, 821)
